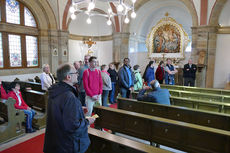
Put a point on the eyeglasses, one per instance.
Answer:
(74, 73)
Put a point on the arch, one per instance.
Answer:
(216, 10)
(189, 5)
(65, 23)
(42, 12)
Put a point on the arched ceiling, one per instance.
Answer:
(98, 27)
(153, 11)
(224, 19)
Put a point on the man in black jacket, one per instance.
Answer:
(189, 73)
(66, 126)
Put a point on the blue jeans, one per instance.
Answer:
(169, 79)
(82, 98)
(29, 117)
(112, 93)
(105, 94)
(125, 93)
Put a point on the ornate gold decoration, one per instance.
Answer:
(89, 43)
(167, 40)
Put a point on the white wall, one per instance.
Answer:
(222, 68)
(22, 77)
(98, 27)
(103, 50)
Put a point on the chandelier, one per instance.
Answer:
(122, 8)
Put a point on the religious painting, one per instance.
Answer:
(167, 40)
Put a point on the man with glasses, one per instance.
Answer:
(92, 81)
(66, 127)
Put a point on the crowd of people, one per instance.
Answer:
(82, 85)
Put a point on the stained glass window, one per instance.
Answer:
(15, 50)
(1, 51)
(12, 11)
(31, 51)
(29, 18)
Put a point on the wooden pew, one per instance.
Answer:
(197, 89)
(201, 104)
(103, 142)
(38, 101)
(197, 104)
(183, 136)
(12, 128)
(204, 118)
(200, 96)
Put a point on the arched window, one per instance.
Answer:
(18, 36)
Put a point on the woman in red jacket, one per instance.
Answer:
(160, 72)
(20, 104)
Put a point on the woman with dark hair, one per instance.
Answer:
(160, 72)
(14, 92)
(149, 73)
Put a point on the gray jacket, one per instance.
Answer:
(107, 85)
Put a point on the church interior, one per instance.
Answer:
(54, 32)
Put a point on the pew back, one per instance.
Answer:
(197, 89)
(12, 128)
(103, 142)
(204, 118)
(180, 135)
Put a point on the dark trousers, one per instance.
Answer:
(82, 98)
(125, 93)
(160, 81)
(105, 94)
(188, 81)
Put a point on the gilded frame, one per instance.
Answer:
(167, 40)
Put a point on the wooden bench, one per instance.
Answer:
(38, 101)
(200, 96)
(201, 104)
(11, 128)
(103, 142)
(183, 136)
(197, 89)
(197, 104)
(204, 118)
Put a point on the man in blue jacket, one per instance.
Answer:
(158, 95)
(66, 126)
(126, 79)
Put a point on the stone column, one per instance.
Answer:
(204, 40)
(120, 46)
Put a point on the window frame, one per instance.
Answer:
(30, 31)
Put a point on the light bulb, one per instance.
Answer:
(120, 8)
(109, 22)
(73, 16)
(126, 20)
(71, 9)
(91, 6)
(133, 1)
(89, 21)
(133, 15)
(109, 10)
